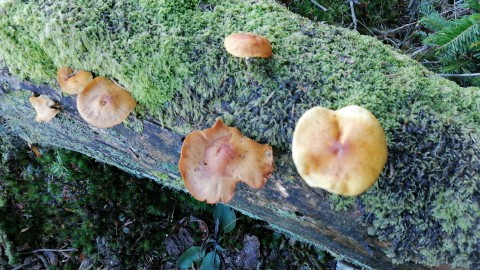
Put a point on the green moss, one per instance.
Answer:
(69, 200)
(134, 124)
(341, 203)
(8, 247)
(124, 40)
(284, 214)
(172, 181)
(427, 202)
(170, 56)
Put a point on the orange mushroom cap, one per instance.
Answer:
(73, 82)
(43, 106)
(214, 160)
(104, 104)
(342, 151)
(247, 45)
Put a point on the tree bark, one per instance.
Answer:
(288, 206)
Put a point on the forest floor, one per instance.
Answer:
(63, 210)
(60, 209)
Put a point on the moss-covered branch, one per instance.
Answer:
(169, 54)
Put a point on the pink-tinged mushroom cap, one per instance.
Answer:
(246, 45)
(342, 151)
(104, 104)
(214, 160)
(73, 82)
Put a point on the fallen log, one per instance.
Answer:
(169, 54)
(288, 206)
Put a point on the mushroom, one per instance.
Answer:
(214, 160)
(104, 104)
(342, 151)
(73, 82)
(43, 106)
(246, 45)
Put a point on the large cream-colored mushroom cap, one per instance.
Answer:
(214, 160)
(246, 45)
(73, 82)
(43, 106)
(342, 151)
(104, 104)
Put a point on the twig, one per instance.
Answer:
(43, 260)
(268, 98)
(26, 264)
(52, 250)
(395, 30)
(459, 75)
(354, 18)
(318, 5)
(421, 50)
(455, 4)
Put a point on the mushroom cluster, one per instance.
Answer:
(214, 160)
(342, 151)
(101, 102)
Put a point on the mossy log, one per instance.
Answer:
(169, 55)
(289, 206)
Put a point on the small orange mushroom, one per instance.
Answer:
(214, 160)
(43, 106)
(246, 45)
(73, 82)
(104, 104)
(342, 151)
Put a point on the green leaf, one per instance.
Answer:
(191, 255)
(226, 217)
(211, 261)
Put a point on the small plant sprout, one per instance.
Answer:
(206, 256)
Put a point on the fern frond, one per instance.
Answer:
(459, 66)
(433, 21)
(431, 18)
(457, 36)
(474, 5)
(475, 45)
(475, 81)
